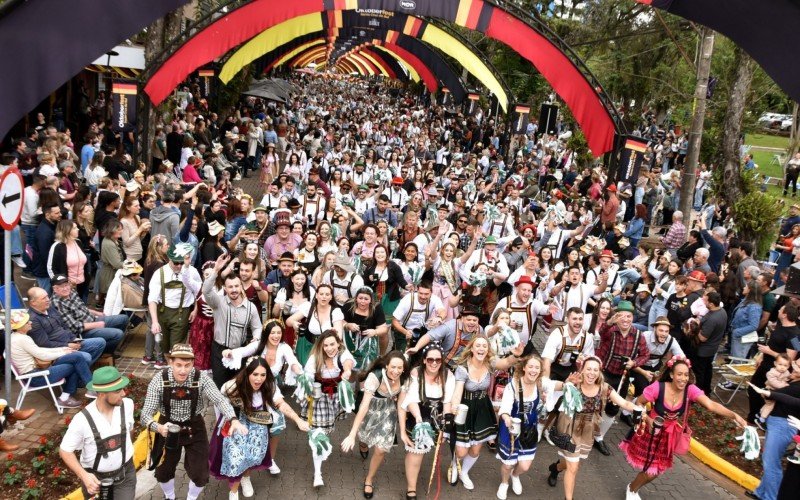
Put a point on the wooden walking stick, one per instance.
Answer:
(435, 466)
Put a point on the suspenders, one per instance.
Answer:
(109, 444)
(172, 286)
(411, 310)
(571, 348)
(526, 309)
(343, 287)
(502, 226)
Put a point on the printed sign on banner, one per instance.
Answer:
(630, 159)
(519, 123)
(124, 105)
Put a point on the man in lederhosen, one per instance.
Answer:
(622, 348)
(662, 347)
(416, 312)
(102, 433)
(174, 288)
(524, 310)
(180, 395)
(234, 318)
(567, 347)
(343, 279)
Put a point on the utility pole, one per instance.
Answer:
(688, 179)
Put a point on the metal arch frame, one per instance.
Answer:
(532, 22)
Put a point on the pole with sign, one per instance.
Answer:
(11, 199)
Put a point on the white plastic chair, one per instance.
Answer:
(25, 385)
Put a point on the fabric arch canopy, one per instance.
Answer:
(568, 78)
(337, 22)
(332, 22)
(766, 29)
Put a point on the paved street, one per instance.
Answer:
(600, 477)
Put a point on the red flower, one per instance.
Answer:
(30, 483)
(10, 456)
(43, 440)
(57, 471)
(67, 419)
(12, 469)
(40, 458)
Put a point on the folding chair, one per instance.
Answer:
(25, 384)
(738, 371)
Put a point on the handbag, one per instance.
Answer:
(685, 438)
(560, 439)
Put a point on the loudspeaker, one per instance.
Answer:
(547, 118)
(793, 281)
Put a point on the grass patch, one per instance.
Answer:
(767, 141)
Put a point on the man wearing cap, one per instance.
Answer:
(283, 241)
(362, 203)
(235, 319)
(494, 260)
(180, 395)
(398, 197)
(279, 278)
(662, 347)
(566, 347)
(415, 314)
(256, 230)
(102, 433)
(343, 279)
(435, 225)
(49, 330)
(84, 322)
(607, 271)
(622, 348)
(679, 309)
(173, 290)
(524, 311)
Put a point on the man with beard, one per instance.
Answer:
(622, 348)
(272, 198)
(343, 279)
(235, 319)
(102, 433)
(313, 206)
(252, 288)
(573, 292)
(415, 314)
(567, 347)
(524, 310)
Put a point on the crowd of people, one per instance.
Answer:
(427, 270)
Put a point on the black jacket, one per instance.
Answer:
(394, 282)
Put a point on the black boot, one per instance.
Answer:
(552, 479)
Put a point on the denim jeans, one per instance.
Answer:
(16, 242)
(73, 368)
(112, 332)
(30, 236)
(44, 284)
(779, 435)
(92, 349)
(657, 309)
(152, 349)
(738, 349)
(629, 275)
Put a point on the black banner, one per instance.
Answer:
(630, 159)
(124, 104)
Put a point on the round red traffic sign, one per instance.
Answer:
(11, 198)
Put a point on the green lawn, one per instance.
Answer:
(767, 141)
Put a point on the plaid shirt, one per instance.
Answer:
(74, 312)
(179, 410)
(676, 235)
(623, 346)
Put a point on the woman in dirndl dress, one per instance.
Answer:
(364, 328)
(653, 453)
(328, 364)
(280, 359)
(515, 457)
(427, 399)
(314, 318)
(376, 421)
(253, 394)
(583, 427)
(201, 332)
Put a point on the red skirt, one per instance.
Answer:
(650, 454)
(201, 334)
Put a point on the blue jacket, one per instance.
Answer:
(716, 252)
(745, 318)
(49, 330)
(635, 230)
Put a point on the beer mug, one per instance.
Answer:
(317, 390)
(658, 423)
(461, 414)
(106, 489)
(173, 435)
(516, 426)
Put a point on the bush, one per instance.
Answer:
(756, 215)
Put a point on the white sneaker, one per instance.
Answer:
(516, 485)
(274, 469)
(237, 178)
(18, 261)
(452, 473)
(318, 481)
(233, 495)
(247, 487)
(502, 491)
(547, 437)
(466, 481)
(630, 495)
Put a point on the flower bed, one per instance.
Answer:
(40, 473)
(719, 435)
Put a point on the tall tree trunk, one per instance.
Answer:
(696, 132)
(744, 67)
(794, 131)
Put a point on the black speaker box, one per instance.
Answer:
(793, 281)
(547, 118)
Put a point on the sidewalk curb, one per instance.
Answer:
(722, 466)
(140, 451)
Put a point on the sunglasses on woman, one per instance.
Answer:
(433, 360)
